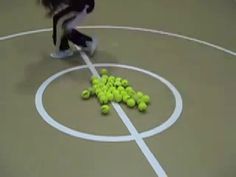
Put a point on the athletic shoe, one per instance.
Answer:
(91, 46)
(62, 54)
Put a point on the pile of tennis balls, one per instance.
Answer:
(108, 88)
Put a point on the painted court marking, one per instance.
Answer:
(129, 125)
(129, 28)
(138, 137)
(75, 133)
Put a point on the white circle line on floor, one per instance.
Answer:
(51, 121)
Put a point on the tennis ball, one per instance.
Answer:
(123, 93)
(98, 91)
(95, 81)
(100, 94)
(117, 98)
(120, 88)
(131, 102)
(139, 94)
(117, 83)
(109, 96)
(124, 83)
(103, 99)
(103, 71)
(85, 94)
(125, 98)
(104, 78)
(146, 99)
(115, 92)
(129, 89)
(113, 89)
(142, 107)
(131, 93)
(94, 78)
(118, 79)
(111, 79)
(105, 109)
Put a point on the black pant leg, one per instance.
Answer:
(64, 43)
(78, 38)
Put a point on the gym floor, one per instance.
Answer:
(181, 53)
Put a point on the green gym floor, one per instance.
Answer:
(182, 53)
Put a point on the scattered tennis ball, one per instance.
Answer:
(146, 99)
(125, 98)
(111, 79)
(117, 98)
(103, 99)
(120, 88)
(104, 71)
(142, 107)
(124, 83)
(94, 78)
(95, 81)
(139, 94)
(85, 94)
(131, 93)
(118, 79)
(123, 93)
(100, 94)
(117, 83)
(129, 89)
(131, 102)
(105, 109)
(109, 96)
(115, 92)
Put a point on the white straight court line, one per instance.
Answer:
(133, 131)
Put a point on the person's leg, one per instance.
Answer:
(64, 43)
(87, 43)
(64, 49)
(78, 38)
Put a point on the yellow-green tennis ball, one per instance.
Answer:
(129, 89)
(117, 83)
(146, 99)
(98, 91)
(120, 88)
(94, 78)
(103, 99)
(109, 96)
(115, 92)
(131, 93)
(142, 107)
(118, 79)
(113, 89)
(95, 81)
(123, 93)
(100, 94)
(125, 98)
(104, 78)
(139, 94)
(131, 102)
(111, 78)
(125, 83)
(103, 71)
(117, 98)
(85, 94)
(105, 109)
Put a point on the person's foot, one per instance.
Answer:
(91, 46)
(62, 54)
